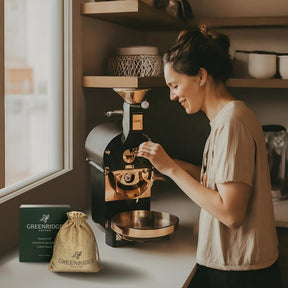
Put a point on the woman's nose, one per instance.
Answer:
(173, 96)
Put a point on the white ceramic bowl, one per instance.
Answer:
(283, 66)
(262, 66)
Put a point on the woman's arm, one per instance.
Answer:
(191, 169)
(228, 204)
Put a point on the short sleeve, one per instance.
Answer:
(234, 153)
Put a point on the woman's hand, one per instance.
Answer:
(155, 153)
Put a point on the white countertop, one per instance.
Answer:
(163, 263)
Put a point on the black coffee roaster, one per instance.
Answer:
(120, 180)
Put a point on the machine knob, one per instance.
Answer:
(145, 104)
(129, 178)
(129, 155)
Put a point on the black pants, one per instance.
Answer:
(212, 278)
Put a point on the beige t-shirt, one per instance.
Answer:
(235, 151)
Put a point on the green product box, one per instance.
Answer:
(39, 225)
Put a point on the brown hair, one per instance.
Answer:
(197, 48)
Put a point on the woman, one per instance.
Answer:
(237, 242)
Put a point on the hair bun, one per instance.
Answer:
(223, 42)
(199, 48)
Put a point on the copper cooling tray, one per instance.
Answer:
(144, 225)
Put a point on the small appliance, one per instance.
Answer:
(122, 181)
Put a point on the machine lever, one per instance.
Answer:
(114, 113)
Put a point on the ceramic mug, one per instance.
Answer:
(283, 66)
(261, 65)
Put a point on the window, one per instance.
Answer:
(35, 105)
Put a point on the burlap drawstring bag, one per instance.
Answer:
(75, 247)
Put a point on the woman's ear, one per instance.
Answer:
(203, 75)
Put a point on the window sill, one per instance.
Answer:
(30, 183)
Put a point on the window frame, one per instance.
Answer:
(17, 189)
(72, 188)
(2, 92)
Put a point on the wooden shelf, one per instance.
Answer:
(138, 15)
(150, 82)
(132, 13)
(257, 83)
(122, 82)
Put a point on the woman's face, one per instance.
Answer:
(184, 88)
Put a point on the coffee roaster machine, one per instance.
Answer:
(120, 180)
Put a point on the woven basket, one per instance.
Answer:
(135, 65)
